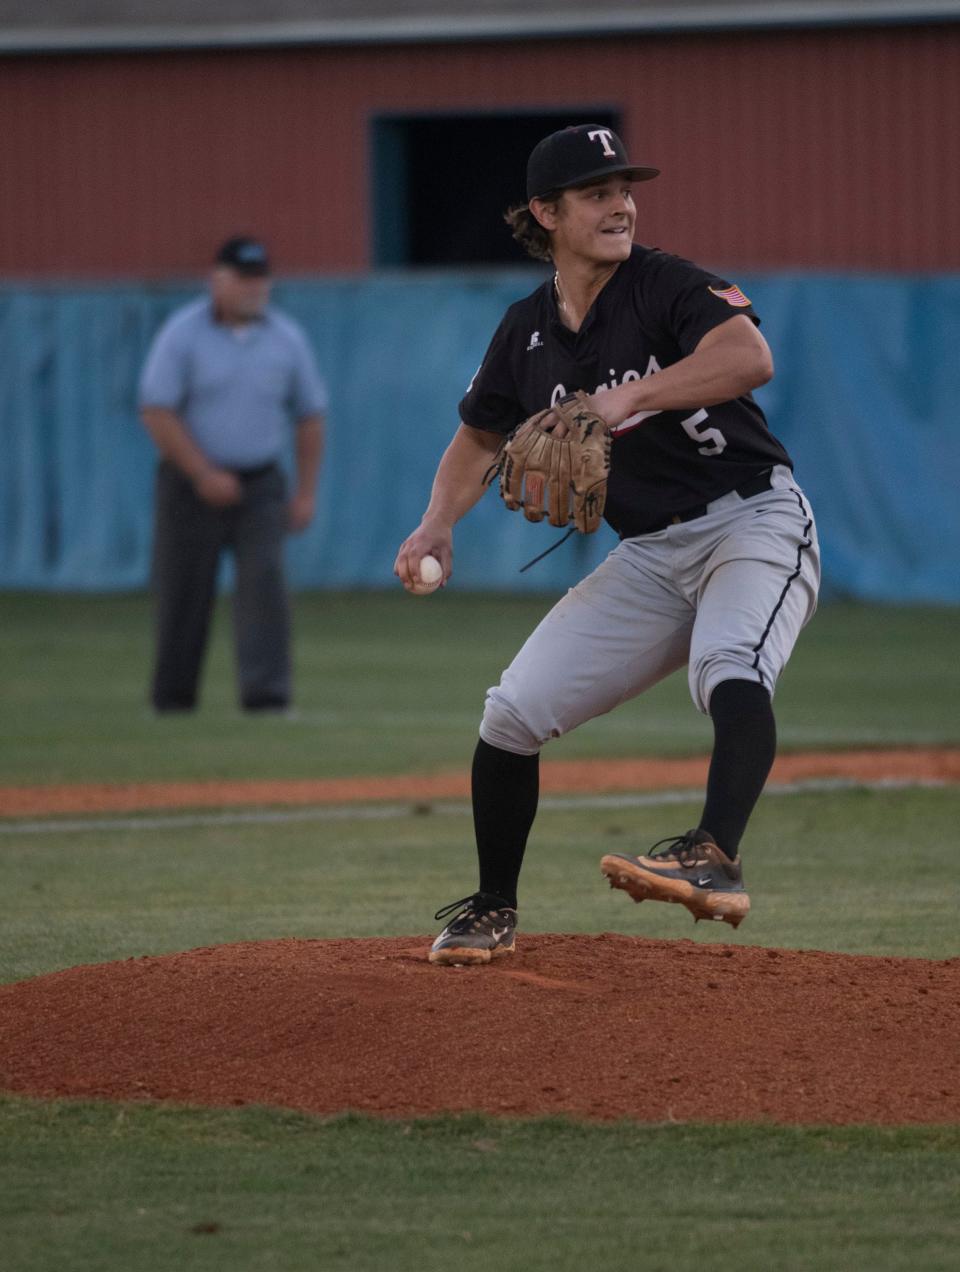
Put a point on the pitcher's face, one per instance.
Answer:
(594, 222)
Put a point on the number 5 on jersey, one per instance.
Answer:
(716, 442)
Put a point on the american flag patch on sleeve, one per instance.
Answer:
(732, 295)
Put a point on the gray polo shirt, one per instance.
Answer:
(237, 389)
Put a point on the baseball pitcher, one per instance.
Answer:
(621, 389)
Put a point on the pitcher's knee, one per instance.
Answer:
(504, 725)
(707, 672)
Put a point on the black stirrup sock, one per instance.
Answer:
(745, 743)
(506, 788)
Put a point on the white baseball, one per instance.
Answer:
(431, 572)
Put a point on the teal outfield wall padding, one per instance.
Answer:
(865, 398)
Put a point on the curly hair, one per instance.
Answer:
(528, 231)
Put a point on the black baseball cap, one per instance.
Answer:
(245, 255)
(573, 156)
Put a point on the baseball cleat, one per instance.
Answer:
(689, 870)
(483, 929)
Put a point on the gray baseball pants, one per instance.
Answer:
(189, 540)
(726, 595)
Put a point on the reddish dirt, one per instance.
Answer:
(592, 1026)
(557, 776)
(597, 1027)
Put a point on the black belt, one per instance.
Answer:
(753, 486)
(248, 474)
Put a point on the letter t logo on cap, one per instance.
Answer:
(604, 134)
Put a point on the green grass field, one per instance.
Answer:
(825, 870)
(167, 1189)
(388, 683)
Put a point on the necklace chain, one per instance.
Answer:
(556, 287)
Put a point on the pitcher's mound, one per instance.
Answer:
(601, 1026)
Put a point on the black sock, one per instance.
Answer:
(745, 743)
(506, 789)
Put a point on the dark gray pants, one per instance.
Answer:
(189, 538)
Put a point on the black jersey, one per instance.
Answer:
(653, 312)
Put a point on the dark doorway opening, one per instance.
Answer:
(441, 183)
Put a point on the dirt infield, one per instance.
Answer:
(597, 1027)
(557, 776)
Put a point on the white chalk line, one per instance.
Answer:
(421, 808)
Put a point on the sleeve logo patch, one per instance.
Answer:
(732, 295)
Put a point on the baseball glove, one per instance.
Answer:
(564, 478)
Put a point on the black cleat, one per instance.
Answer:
(483, 929)
(690, 870)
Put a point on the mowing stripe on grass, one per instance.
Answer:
(387, 812)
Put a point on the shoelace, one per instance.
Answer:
(472, 909)
(465, 903)
(682, 848)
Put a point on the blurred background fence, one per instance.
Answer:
(810, 152)
(865, 397)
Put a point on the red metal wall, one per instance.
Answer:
(831, 148)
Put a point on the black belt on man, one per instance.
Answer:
(752, 486)
(251, 474)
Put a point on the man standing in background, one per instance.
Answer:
(226, 378)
